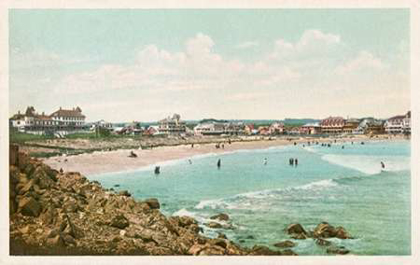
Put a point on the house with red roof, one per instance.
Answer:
(332, 125)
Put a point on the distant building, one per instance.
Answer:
(399, 124)
(235, 128)
(250, 129)
(152, 130)
(276, 128)
(210, 128)
(69, 119)
(61, 121)
(310, 128)
(407, 123)
(102, 124)
(294, 130)
(350, 125)
(172, 125)
(264, 130)
(332, 125)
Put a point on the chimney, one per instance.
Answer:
(18, 111)
(43, 113)
(60, 108)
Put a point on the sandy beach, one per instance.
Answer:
(118, 161)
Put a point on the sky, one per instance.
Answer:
(144, 65)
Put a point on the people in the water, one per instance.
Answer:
(265, 161)
(291, 161)
(296, 162)
(382, 165)
(219, 163)
(189, 161)
(157, 170)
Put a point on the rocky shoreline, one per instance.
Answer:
(63, 213)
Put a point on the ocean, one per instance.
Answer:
(342, 186)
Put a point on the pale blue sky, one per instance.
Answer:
(125, 65)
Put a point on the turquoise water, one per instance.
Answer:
(345, 187)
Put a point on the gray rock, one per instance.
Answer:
(285, 244)
(153, 203)
(29, 206)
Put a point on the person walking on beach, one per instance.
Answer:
(219, 163)
(296, 162)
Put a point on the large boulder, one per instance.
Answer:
(342, 233)
(285, 244)
(214, 225)
(124, 193)
(153, 203)
(29, 186)
(264, 251)
(119, 221)
(295, 229)
(29, 206)
(338, 250)
(220, 217)
(325, 230)
(43, 176)
(56, 241)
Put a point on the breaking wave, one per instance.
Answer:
(369, 165)
(244, 200)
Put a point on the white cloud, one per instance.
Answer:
(364, 61)
(312, 44)
(39, 59)
(314, 68)
(247, 45)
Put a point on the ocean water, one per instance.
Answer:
(345, 187)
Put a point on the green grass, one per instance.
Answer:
(20, 138)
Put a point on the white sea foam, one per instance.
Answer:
(183, 212)
(213, 204)
(319, 185)
(249, 200)
(369, 165)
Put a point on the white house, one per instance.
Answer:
(407, 123)
(210, 128)
(69, 119)
(172, 125)
(64, 121)
(276, 128)
(395, 125)
(102, 124)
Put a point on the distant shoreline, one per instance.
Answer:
(118, 161)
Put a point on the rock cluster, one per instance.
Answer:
(321, 232)
(64, 213)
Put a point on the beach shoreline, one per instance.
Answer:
(117, 161)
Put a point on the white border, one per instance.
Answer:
(414, 6)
